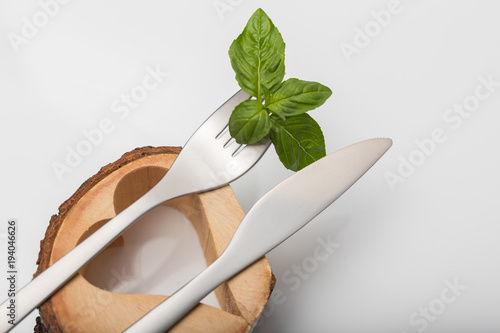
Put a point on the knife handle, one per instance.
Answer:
(169, 312)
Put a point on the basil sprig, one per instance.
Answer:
(279, 108)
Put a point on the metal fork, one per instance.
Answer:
(209, 160)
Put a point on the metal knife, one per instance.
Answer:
(276, 216)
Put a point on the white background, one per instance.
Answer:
(396, 246)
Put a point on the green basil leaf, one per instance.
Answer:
(297, 96)
(258, 56)
(298, 141)
(279, 112)
(249, 122)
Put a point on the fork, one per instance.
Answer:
(210, 159)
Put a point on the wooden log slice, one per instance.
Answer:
(82, 307)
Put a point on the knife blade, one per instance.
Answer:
(275, 217)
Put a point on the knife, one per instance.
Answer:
(276, 216)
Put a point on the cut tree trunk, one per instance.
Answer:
(82, 307)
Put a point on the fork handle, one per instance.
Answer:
(49, 281)
(169, 312)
